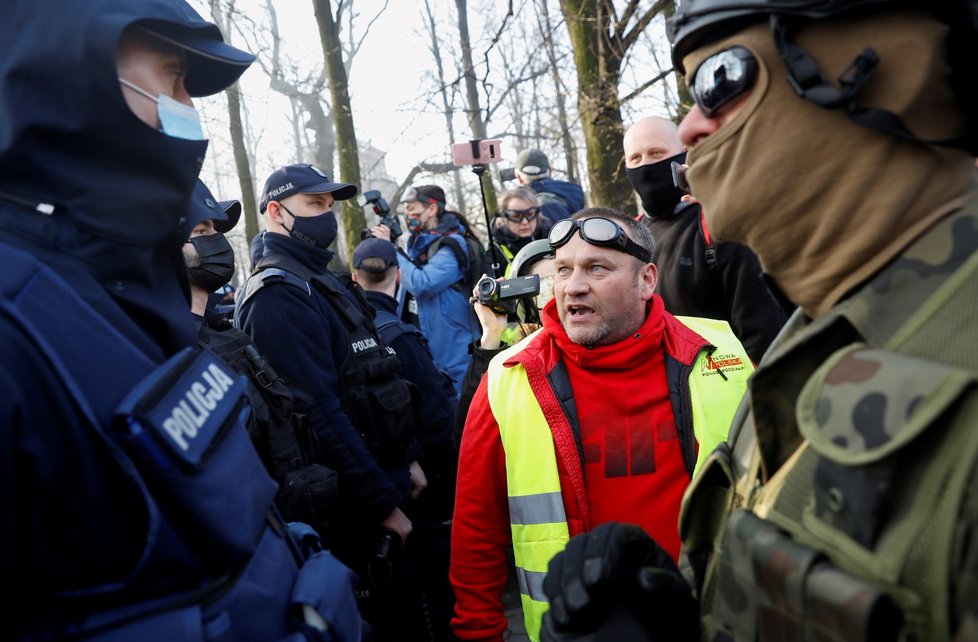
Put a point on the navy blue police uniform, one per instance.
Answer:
(134, 506)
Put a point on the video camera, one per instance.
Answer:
(383, 210)
(501, 294)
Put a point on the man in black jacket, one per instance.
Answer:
(697, 276)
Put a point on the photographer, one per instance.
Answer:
(536, 258)
(518, 222)
(434, 275)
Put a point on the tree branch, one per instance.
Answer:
(647, 84)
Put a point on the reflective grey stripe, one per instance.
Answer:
(531, 584)
(542, 508)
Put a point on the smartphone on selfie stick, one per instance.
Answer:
(479, 153)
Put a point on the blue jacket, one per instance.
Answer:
(571, 193)
(444, 311)
(303, 338)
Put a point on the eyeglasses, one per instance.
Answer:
(599, 231)
(520, 215)
(722, 77)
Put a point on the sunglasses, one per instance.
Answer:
(722, 77)
(599, 231)
(520, 215)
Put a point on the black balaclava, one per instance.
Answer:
(654, 186)
(118, 187)
(214, 266)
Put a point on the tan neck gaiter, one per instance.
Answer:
(825, 203)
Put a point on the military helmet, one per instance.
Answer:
(531, 253)
(697, 23)
(700, 22)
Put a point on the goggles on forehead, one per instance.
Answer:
(520, 215)
(599, 231)
(722, 77)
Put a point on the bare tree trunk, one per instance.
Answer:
(353, 219)
(570, 150)
(600, 39)
(242, 164)
(446, 103)
(473, 108)
(236, 126)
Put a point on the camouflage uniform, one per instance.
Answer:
(846, 505)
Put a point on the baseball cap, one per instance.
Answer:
(423, 193)
(532, 163)
(303, 179)
(203, 207)
(213, 65)
(374, 248)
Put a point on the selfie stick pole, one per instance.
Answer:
(479, 170)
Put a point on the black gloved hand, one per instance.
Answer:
(615, 583)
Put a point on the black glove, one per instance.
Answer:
(614, 584)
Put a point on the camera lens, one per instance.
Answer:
(487, 287)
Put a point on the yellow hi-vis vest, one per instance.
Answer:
(536, 508)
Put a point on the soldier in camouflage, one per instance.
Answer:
(844, 505)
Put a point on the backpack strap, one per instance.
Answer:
(461, 255)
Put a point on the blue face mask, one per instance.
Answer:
(318, 231)
(176, 119)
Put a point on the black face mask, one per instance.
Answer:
(216, 265)
(653, 183)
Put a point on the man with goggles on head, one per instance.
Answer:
(843, 506)
(518, 222)
(600, 416)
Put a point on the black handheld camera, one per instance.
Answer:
(501, 294)
(383, 210)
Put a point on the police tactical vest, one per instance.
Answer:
(379, 402)
(286, 443)
(538, 521)
(178, 434)
(841, 522)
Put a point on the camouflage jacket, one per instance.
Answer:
(845, 505)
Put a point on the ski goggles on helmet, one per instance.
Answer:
(516, 216)
(722, 77)
(599, 231)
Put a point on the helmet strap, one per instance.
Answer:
(810, 83)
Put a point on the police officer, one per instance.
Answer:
(844, 505)
(320, 337)
(307, 489)
(134, 504)
(431, 601)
